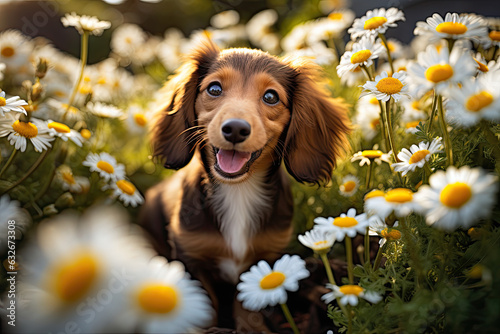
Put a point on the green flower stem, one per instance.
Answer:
(412, 248)
(378, 259)
(427, 173)
(389, 58)
(83, 61)
(289, 318)
(368, 180)
(491, 138)
(367, 73)
(9, 162)
(328, 268)
(367, 247)
(446, 135)
(390, 134)
(383, 126)
(451, 43)
(349, 319)
(433, 113)
(30, 171)
(350, 265)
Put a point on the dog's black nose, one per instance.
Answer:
(235, 130)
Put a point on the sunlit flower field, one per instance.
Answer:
(404, 239)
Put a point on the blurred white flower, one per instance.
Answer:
(368, 116)
(263, 286)
(362, 54)
(453, 26)
(85, 23)
(19, 133)
(376, 22)
(79, 184)
(350, 294)
(13, 103)
(396, 49)
(386, 87)
(2, 69)
(484, 66)
(15, 50)
(477, 99)
(324, 29)
(126, 192)
(417, 156)
(20, 219)
(105, 165)
(260, 32)
(348, 224)
(318, 53)
(349, 185)
(438, 69)
(225, 19)
(399, 200)
(126, 39)
(138, 119)
(104, 110)
(457, 197)
(62, 109)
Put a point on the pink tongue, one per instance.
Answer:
(232, 161)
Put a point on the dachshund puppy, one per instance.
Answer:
(228, 119)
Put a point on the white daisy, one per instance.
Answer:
(375, 22)
(368, 116)
(346, 224)
(64, 175)
(491, 39)
(367, 156)
(318, 52)
(458, 197)
(62, 109)
(18, 133)
(104, 110)
(399, 200)
(126, 192)
(163, 299)
(264, 286)
(484, 66)
(126, 39)
(417, 156)
(260, 32)
(440, 69)
(11, 104)
(105, 165)
(477, 99)
(381, 229)
(384, 87)
(362, 54)
(64, 132)
(225, 19)
(318, 241)
(72, 264)
(350, 294)
(396, 50)
(137, 119)
(453, 26)
(349, 185)
(86, 23)
(15, 50)
(332, 26)
(297, 38)
(414, 110)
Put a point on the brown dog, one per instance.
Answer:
(230, 118)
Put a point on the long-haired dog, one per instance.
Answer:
(228, 119)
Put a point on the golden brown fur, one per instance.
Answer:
(220, 222)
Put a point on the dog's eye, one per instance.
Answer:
(214, 89)
(271, 97)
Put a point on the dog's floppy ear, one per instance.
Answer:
(173, 137)
(318, 126)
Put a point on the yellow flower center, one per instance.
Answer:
(86, 133)
(336, 16)
(101, 81)
(374, 193)
(455, 195)
(71, 109)
(390, 234)
(372, 154)
(360, 56)
(482, 67)
(452, 28)
(349, 186)
(390, 45)
(8, 51)
(125, 186)
(27, 130)
(374, 101)
(374, 123)
(59, 127)
(158, 298)
(68, 177)
(412, 124)
(399, 195)
(140, 119)
(73, 279)
(479, 101)
(495, 35)
(374, 22)
(345, 222)
(105, 166)
(3, 101)
(418, 156)
(389, 85)
(321, 245)
(272, 280)
(439, 72)
(351, 289)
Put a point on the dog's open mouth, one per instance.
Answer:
(231, 163)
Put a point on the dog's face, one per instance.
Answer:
(247, 111)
